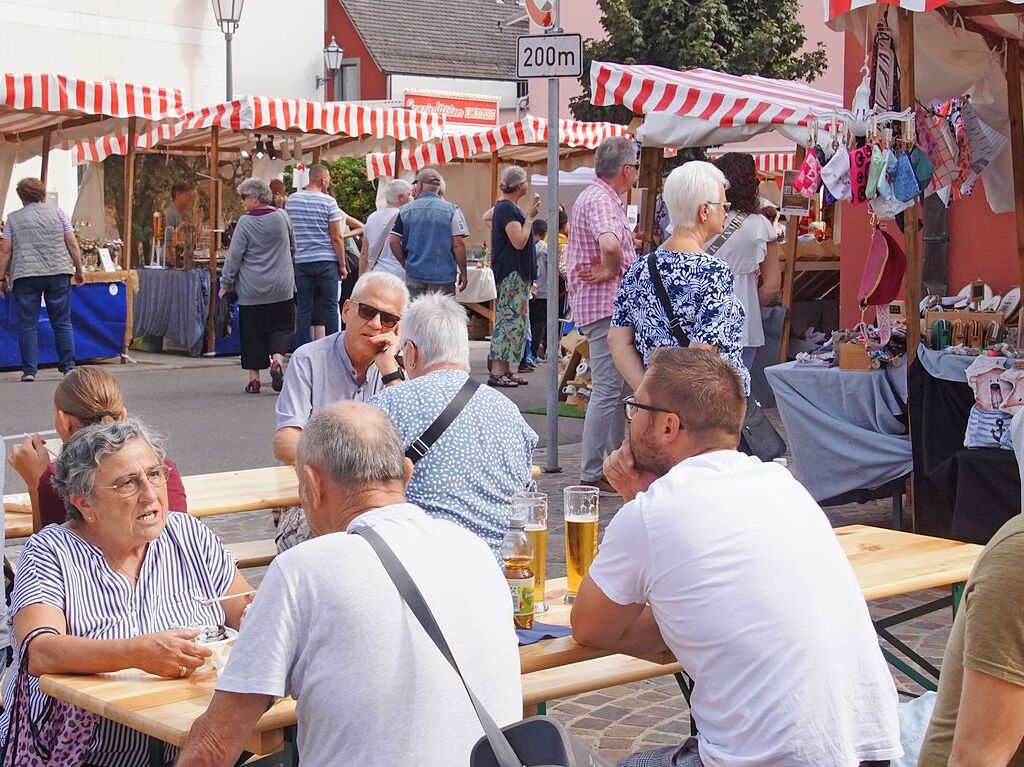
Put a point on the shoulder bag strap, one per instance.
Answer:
(418, 449)
(728, 232)
(666, 304)
(385, 242)
(503, 751)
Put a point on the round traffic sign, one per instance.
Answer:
(542, 12)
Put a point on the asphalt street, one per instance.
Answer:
(200, 406)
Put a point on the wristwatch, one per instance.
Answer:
(397, 375)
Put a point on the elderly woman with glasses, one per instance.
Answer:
(116, 586)
(698, 286)
(259, 271)
(470, 473)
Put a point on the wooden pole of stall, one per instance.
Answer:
(45, 166)
(211, 321)
(912, 216)
(126, 237)
(398, 157)
(652, 160)
(316, 155)
(1013, 82)
(789, 269)
(494, 178)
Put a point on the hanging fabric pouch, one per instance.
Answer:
(875, 171)
(808, 179)
(922, 166)
(836, 175)
(904, 183)
(885, 179)
(883, 70)
(860, 163)
(934, 145)
(883, 271)
(977, 139)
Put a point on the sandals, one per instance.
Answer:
(519, 381)
(276, 377)
(253, 387)
(502, 381)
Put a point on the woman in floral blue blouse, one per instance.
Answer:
(699, 286)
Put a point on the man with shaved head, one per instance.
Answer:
(329, 628)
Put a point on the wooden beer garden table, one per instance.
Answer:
(886, 563)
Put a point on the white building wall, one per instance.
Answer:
(278, 51)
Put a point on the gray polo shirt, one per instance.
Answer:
(320, 373)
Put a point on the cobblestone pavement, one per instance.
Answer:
(620, 720)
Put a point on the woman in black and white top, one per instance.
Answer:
(749, 248)
(117, 580)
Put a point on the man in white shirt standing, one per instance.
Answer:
(729, 564)
(329, 627)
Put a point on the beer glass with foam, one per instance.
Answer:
(582, 511)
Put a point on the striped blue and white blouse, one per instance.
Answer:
(59, 569)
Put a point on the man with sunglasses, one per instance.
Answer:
(728, 563)
(353, 364)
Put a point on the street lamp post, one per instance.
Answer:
(333, 54)
(228, 14)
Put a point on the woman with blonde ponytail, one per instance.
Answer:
(85, 396)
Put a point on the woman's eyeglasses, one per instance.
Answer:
(367, 312)
(632, 407)
(132, 484)
(726, 205)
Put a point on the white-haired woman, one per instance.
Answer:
(451, 481)
(259, 271)
(375, 254)
(515, 268)
(699, 286)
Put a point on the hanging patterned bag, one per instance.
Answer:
(883, 70)
(904, 184)
(875, 171)
(808, 179)
(883, 270)
(860, 168)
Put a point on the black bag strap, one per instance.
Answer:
(666, 304)
(413, 598)
(418, 449)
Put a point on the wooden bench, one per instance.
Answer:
(253, 553)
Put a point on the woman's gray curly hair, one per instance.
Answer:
(258, 188)
(74, 471)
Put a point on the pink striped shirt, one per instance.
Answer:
(597, 210)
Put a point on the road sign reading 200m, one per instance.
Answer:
(550, 56)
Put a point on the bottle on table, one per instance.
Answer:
(516, 555)
(535, 508)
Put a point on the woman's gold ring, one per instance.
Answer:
(182, 672)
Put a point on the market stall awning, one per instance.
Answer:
(768, 163)
(318, 124)
(987, 13)
(701, 107)
(31, 105)
(522, 139)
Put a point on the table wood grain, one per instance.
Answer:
(886, 563)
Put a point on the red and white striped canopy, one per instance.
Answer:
(32, 103)
(319, 124)
(716, 98)
(1004, 23)
(529, 130)
(768, 163)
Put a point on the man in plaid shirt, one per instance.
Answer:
(600, 251)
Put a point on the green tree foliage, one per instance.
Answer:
(759, 37)
(355, 194)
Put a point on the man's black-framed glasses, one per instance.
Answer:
(368, 312)
(631, 407)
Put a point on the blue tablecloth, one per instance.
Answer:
(947, 366)
(845, 429)
(174, 304)
(98, 313)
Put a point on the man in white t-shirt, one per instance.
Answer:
(731, 565)
(329, 627)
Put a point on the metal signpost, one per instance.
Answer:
(551, 55)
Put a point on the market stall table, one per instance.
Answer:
(846, 429)
(479, 294)
(99, 315)
(886, 563)
(963, 493)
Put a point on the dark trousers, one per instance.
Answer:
(319, 279)
(56, 290)
(265, 329)
(538, 324)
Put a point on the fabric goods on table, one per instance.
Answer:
(173, 303)
(846, 429)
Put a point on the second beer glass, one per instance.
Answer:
(582, 511)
